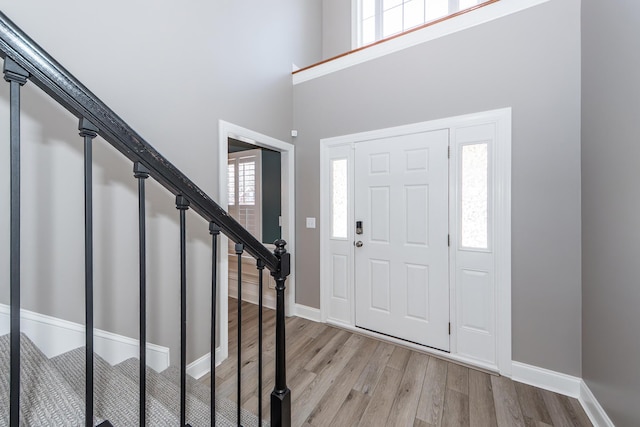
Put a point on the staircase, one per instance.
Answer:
(52, 392)
(79, 388)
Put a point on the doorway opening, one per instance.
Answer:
(256, 185)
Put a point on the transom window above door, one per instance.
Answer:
(380, 19)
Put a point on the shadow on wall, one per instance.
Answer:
(52, 240)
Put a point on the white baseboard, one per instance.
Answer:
(202, 366)
(592, 407)
(250, 294)
(546, 379)
(55, 336)
(308, 313)
(563, 384)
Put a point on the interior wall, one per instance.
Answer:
(529, 61)
(171, 70)
(610, 206)
(336, 27)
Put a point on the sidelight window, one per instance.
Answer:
(339, 199)
(475, 196)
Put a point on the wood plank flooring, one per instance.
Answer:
(338, 378)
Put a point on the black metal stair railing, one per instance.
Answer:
(25, 61)
(16, 76)
(142, 173)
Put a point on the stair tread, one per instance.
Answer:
(165, 392)
(116, 397)
(198, 395)
(52, 392)
(203, 392)
(46, 398)
(198, 389)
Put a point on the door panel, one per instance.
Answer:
(402, 267)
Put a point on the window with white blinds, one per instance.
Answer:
(244, 178)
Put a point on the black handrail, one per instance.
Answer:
(61, 85)
(24, 59)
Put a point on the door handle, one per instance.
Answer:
(358, 244)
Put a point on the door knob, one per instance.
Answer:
(358, 244)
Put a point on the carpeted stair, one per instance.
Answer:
(52, 392)
(46, 397)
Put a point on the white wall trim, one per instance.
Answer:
(592, 407)
(546, 379)
(564, 384)
(459, 23)
(309, 313)
(202, 366)
(287, 150)
(54, 336)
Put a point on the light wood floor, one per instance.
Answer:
(338, 378)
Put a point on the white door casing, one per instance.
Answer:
(228, 130)
(479, 228)
(402, 256)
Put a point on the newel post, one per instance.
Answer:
(281, 395)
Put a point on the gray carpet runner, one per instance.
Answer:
(115, 396)
(46, 397)
(52, 392)
(169, 379)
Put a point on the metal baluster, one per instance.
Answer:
(16, 76)
(142, 173)
(260, 265)
(88, 131)
(214, 229)
(239, 250)
(281, 395)
(182, 204)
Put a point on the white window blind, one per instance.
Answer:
(244, 185)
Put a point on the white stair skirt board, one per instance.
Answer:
(202, 366)
(567, 385)
(55, 336)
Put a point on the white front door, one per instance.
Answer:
(402, 254)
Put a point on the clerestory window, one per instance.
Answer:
(380, 19)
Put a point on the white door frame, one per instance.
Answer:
(225, 131)
(501, 205)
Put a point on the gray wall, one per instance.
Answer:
(610, 206)
(336, 27)
(529, 61)
(171, 70)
